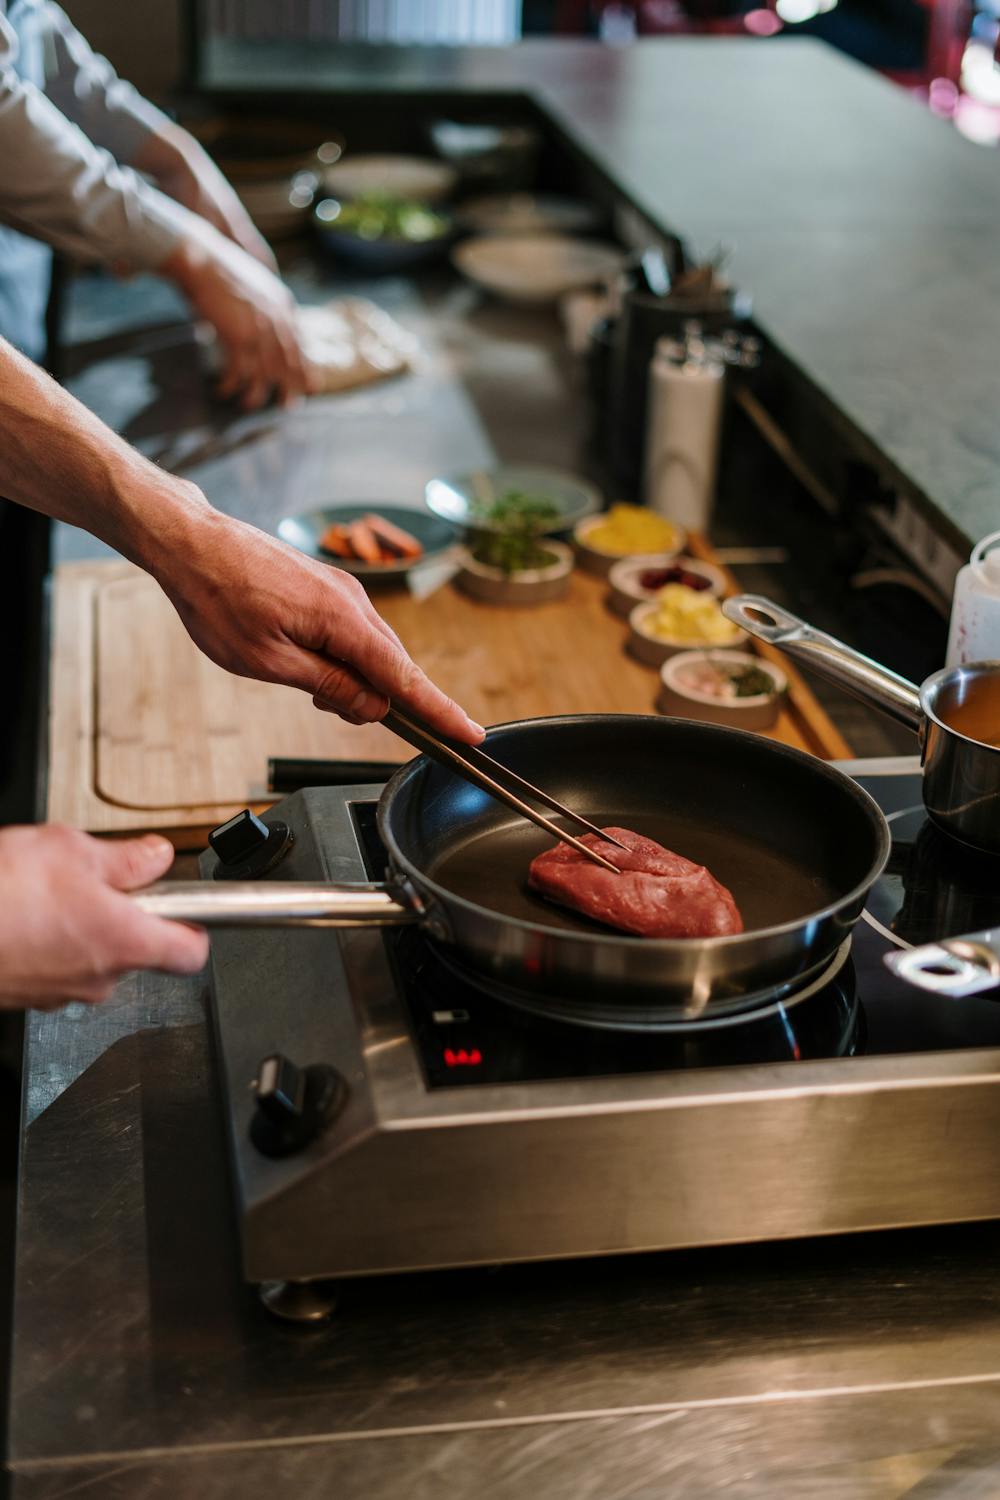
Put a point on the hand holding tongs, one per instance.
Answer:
(483, 771)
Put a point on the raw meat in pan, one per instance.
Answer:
(658, 894)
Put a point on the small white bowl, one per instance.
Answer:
(655, 649)
(416, 177)
(596, 560)
(681, 700)
(527, 213)
(533, 586)
(626, 590)
(535, 268)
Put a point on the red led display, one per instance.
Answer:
(462, 1057)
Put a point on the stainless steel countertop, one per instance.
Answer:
(864, 1367)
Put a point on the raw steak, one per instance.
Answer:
(658, 894)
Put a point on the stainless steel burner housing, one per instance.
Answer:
(410, 1178)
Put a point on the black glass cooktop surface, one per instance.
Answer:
(932, 888)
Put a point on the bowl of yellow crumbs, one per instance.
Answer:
(624, 531)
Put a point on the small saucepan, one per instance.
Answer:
(955, 713)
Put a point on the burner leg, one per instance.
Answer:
(299, 1301)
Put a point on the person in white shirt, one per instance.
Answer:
(74, 139)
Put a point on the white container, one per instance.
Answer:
(683, 422)
(975, 609)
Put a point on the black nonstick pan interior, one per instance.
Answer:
(784, 833)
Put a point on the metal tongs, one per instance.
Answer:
(483, 771)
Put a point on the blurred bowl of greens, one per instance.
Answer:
(381, 232)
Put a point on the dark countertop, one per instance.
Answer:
(863, 226)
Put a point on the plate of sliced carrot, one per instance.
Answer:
(369, 539)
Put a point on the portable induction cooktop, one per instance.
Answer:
(389, 1111)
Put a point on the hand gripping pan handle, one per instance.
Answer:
(955, 967)
(768, 622)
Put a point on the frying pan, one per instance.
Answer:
(796, 841)
(961, 780)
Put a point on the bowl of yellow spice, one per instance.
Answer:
(624, 531)
(678, 619)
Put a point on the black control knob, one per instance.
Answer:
(293, 1104)
(246, 846)
(281, 1091)
(234, 842)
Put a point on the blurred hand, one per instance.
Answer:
(185, 172)
(260, 609)
(252, 312)
(66, 931)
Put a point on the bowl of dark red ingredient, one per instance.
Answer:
(636, 580)
(372, 541)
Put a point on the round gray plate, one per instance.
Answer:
(456, 498)
(304, 532)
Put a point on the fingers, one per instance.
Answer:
(171, 947)
(145, 942)
(342, 691)
(271, 364)
(127, 864)
(237, 369)
(361, 666)
(412, 685)
(379, 672)
(298, 377)
(388, 669)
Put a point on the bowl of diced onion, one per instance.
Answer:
(722, 687)
(679, 619)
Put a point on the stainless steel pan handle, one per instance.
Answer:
(276, 903)
(955, 967)
(768, 622)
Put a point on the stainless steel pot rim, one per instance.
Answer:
(665, 946)
(930, 685)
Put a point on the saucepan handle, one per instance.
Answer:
(277, 903)
(955, 967)
(768, 622)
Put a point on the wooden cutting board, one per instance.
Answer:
(146, 733)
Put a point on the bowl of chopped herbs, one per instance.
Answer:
(509, 558)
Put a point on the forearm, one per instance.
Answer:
(87, 90)
(56, 185)
(58, 458)
(162, 151)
